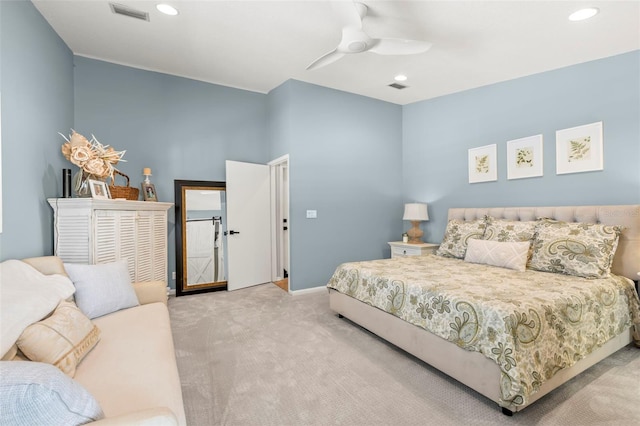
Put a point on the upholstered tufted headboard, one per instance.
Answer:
(627, 259)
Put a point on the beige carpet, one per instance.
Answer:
(259, 356)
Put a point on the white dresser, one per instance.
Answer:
(91, 231)
(400, 249)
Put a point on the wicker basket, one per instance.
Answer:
(125, 192)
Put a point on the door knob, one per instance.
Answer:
(234, 232)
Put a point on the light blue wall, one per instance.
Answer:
(37, 103)
(439, 132)
(180, 128)
(353, 159)
(345, 154)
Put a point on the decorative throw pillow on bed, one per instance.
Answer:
(511, 255)
(457, 236)
(581, 249)
(35, 393)
(102, 289)
(509, 230)
(63, 339)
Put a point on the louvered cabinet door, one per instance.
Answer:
(126, 241)
(72, 237)
(104, 236)
(114, 238)
(144, 247)
(159, 246)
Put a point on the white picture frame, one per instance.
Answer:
(524, 157)
(483, 165)
(99, 189)
(579, 149)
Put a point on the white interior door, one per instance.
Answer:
(248, 224)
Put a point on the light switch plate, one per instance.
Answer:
(312, 214)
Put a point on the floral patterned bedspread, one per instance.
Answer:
(532, 324)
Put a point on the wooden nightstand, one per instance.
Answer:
(400, 249)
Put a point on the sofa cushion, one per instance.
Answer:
(134, 365)
(62, 339)
(26, 296)
(35, 393)
(102, 289)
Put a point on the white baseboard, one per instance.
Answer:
(171, 291)
(307, 290)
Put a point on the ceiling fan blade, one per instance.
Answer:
(349, 13)
(326, 59)
(397, 46)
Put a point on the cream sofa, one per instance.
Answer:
(131, 372)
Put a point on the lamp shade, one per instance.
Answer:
(415, 211)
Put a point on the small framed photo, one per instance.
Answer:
(483, 165)
(524, 157)
(579, 149)
(149, 192)
(99, 189)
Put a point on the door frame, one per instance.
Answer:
(277, 233)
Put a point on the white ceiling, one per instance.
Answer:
(258, 45)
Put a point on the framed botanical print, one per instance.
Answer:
(524, 157)
(483, 165)
(579, 149)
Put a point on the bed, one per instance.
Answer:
(513, 335)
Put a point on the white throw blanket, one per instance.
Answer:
(27, 296)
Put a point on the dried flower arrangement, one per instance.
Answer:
(91, 156)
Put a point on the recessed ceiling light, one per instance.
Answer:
(167, 9)
(400, 77)
(583, 14)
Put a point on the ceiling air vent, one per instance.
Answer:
(127, 11)
(398, 86)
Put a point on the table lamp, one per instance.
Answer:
(415, 212)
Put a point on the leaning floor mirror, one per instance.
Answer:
(200, 236)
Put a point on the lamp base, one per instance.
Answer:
(415, 233)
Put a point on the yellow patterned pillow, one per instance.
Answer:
(457, 236)
(62, 339)
(509, 230)
(574, 248)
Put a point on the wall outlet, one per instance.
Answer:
(312, 214)
(173, 275)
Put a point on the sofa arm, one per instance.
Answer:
(151, 292)
(160, 416)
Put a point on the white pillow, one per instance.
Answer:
(102, 289)
(35, 393)
(511, 255)
(26, 297)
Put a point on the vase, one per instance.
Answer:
(81, 184)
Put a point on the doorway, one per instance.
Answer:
(280, 224)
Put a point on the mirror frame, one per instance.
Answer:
(180, 189)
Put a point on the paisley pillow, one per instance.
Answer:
(457, 235)
(581, 249)
(509, 230)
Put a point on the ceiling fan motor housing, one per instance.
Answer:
(357, 46)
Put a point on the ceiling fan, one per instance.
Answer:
(355, 40)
